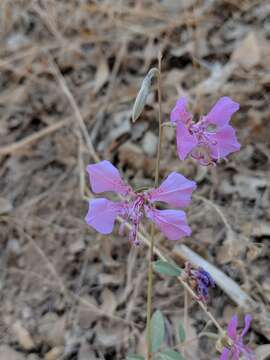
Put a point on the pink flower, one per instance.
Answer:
(237, 347)
(175, 190)
(211, 138)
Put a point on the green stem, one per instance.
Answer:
(151, 249)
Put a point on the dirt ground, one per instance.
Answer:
(69, 74)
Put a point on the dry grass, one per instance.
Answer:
(70, 72)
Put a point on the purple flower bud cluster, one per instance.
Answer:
(204, 282)
(200, 280)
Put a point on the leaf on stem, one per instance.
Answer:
(181, 332)
(135, 357)
(157, 330)
(165, 268)
(170, 355)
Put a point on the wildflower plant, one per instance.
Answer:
(207, 141)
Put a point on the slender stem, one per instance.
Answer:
(202, 305)
(161, 256)
(186, 315)
(149, 294)
(151, 249)
(160, 131)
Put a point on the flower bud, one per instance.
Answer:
(142, 94)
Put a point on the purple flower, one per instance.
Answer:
(175, 190)
(204, 281)
(200, 280)
(211, 138)
(236, 347)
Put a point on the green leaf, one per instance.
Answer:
(165, 268)
(157, 330)
(171, 355)
(181, 332)
(134, 357)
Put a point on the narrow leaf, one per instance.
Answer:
(165, 268)
(181, 332)
(171, 355)
(157, 330)
(135, 357)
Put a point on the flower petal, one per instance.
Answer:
(248, 319)
(225, 354)
(102, 214)
(185, 140)
(222, 111)
(232, 327)
(172, 223)
(176, 190)
(180, 112)
(105, 177)
(223, 142)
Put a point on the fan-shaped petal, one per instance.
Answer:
(222, 111)
(102, 214)
(180, 112)
(172, 223)
(175, 190)
(223, 142)
(185, 140)
(248, 319)
(105, 177)
(225, 354)
(232, 327)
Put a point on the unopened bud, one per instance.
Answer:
(142, 94)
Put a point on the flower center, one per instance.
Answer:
(135, 214)
(203, 130)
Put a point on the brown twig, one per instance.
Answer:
(75, 108)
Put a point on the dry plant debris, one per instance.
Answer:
(67, 292)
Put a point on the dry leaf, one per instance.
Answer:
(109, 302)
(247, 53)
(263, 352)
(102, 75)
(86, 314)
(142, 346)
(5, 206)
(218, 77)
(24, 338)
(233, 246)
(55, 353)
(248, 186)
(110, 335)
(7, 353)
(260, 229)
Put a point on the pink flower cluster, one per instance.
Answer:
(175, 190)
(211, 138)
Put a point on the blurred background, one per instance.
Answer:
(69, 74)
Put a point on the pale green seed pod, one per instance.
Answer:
(142, 94)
